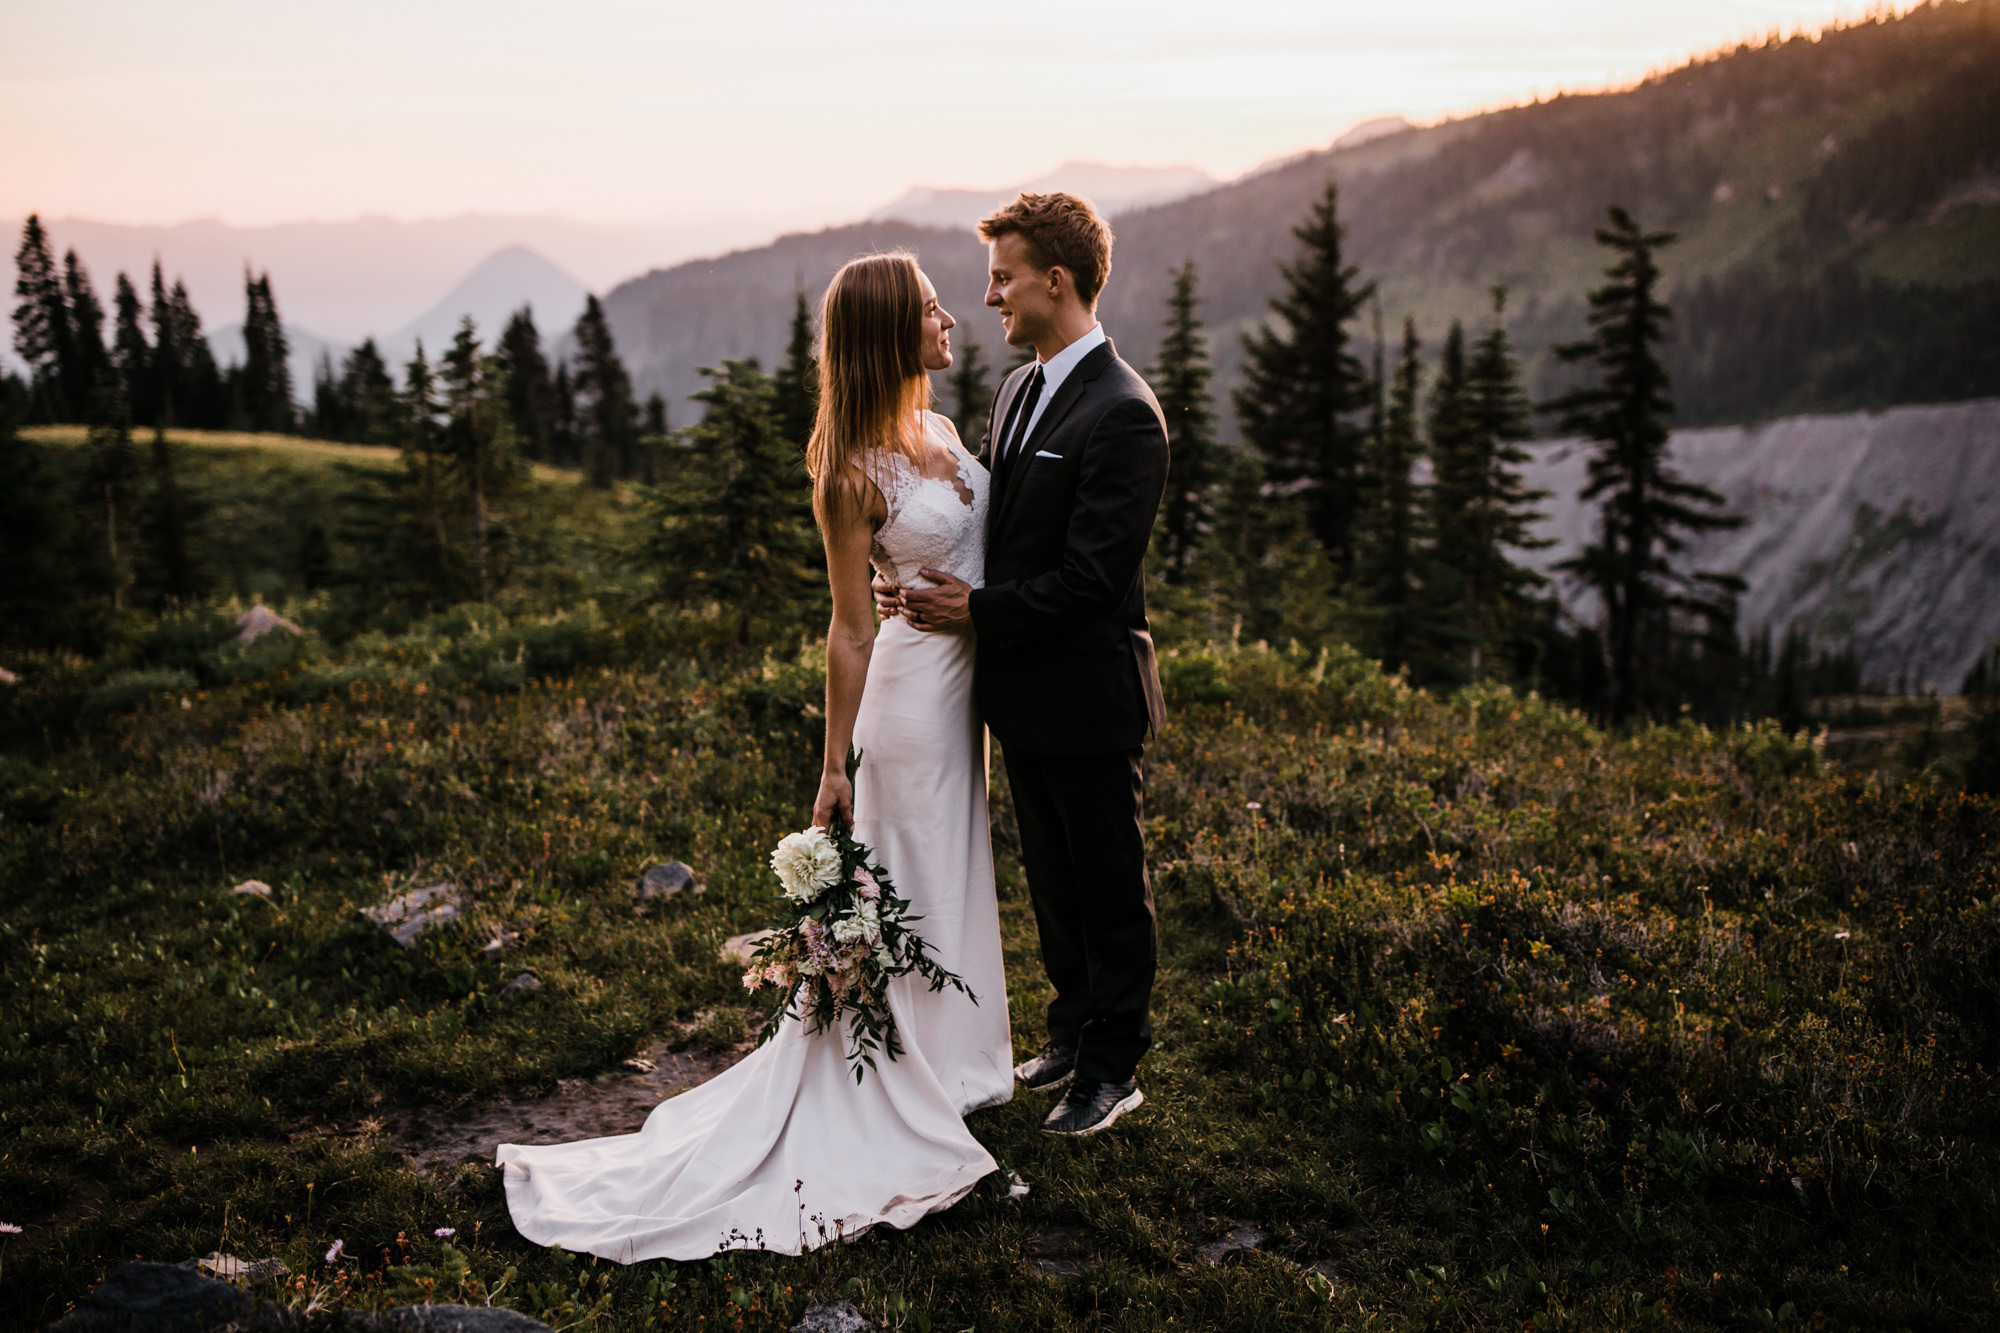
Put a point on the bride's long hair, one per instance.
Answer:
(872, 383)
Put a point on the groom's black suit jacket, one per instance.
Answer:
(1065, 657)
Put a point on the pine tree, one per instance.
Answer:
(610, 416)
(1260, 562)
(42, 331)
(795, 388)
(654, 442)
(367, 397)
(267, 375)
(971, 382)
(422, 437)
(131, 354)
(185, 377)
(110, 470)
(1646, 508)
(565, 432)
(90, 367)
(1303, 387)
(1482, 510)
(479, 439)
(170, 576)
(736, 528)
(1390, 529)
(1195, 459)
(530, 395)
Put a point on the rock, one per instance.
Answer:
(638, 1065)
(259, 621)
(252, 888)
(155, 1298)
(1242, 1236)
(836, 1317)
(738, 948)
(664, 881)
(498, 945)
(520, 988)
(455, 1319)
(168, 1298)
(410, 915)
(230, 1267)
(1051, 1249)
(8, 678)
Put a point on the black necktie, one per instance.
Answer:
(1024, 410)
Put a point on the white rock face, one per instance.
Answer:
(1883, 527)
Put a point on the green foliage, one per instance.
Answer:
(971, 381)
(1486, 1017)
(733, 528)
(1180, 380)
(1303, 387)
(795, 388)
(608, 415)
(1646, 507)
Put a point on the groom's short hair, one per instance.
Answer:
(1059, 230)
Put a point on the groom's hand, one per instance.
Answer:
(944, 609)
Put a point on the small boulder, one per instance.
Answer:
(664, 881)
(405, 917)
(737, 949)
(520, 988)
(154, 1298)
(1242, 1236)
(638, 1064)
(238, 1270)
(259, 621)
(8, 678)
(833, 1317)
(252, 888)
(455, 1319)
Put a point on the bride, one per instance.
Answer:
(785, 1151)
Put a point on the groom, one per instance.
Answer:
(1065, 677)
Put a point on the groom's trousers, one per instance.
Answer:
(1084, 848)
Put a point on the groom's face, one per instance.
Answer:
(1019, 291)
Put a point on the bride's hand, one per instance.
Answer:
(836, 796)
(888, 597)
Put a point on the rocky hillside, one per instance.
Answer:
(1882, 528)
(1838, 201)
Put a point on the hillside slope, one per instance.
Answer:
(1879, 528)
(1838, 201)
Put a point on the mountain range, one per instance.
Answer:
(1836, 199)
(1113, 190)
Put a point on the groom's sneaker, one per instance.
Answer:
(1091, 1105)
(1048, 1069)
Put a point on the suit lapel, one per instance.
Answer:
(1066, 397)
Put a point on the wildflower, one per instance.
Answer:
(753, 978)
(445, 1233)
(9, 1229)
(1840, 934)
(333, 1250)
(1254, 805)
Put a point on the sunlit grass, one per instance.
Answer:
(1482, 1015)
(296, 447)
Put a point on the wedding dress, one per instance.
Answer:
(784, 1150)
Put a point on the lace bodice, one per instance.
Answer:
(934, 522)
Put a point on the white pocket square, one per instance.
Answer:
(1043, 453)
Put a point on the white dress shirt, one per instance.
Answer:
(1056, 369)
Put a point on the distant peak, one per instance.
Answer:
(1381, 127)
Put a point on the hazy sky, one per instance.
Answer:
(796, 112)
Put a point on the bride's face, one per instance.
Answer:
(935, 341)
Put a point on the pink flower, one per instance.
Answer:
(753, 978)
(443, 1233)
(9, 1229)
(333, 1251)
(865, 885)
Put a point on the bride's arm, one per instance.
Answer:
(850, 640)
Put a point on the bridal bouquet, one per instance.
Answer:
(840, 953)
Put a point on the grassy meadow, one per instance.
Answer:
(1485, 1017)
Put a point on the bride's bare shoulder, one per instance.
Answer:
(940, 421)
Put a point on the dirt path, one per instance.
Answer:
(579, 1108)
